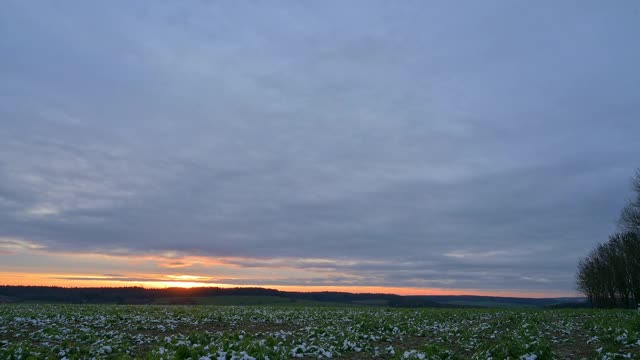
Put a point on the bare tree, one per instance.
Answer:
(630, 216)
(610, 275)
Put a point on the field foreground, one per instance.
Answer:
(229, 332)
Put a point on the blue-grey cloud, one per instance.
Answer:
(490, 144)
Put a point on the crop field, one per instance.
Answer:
(279, 332)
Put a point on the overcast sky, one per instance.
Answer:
(411, 144)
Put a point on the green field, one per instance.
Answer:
(285, 332)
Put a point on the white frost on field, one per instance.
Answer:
(269, 333)
(413, 354)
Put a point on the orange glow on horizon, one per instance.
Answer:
(407, 291)
(163, 270)
(189, 281)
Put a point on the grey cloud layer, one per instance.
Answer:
(378, 131)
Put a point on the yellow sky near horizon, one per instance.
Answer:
(184, 281)
(26, 264)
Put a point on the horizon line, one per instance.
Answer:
(497, 294)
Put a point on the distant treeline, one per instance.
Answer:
(610, 275)
(139, 295)
(258, 296)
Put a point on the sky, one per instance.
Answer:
(411, 147)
